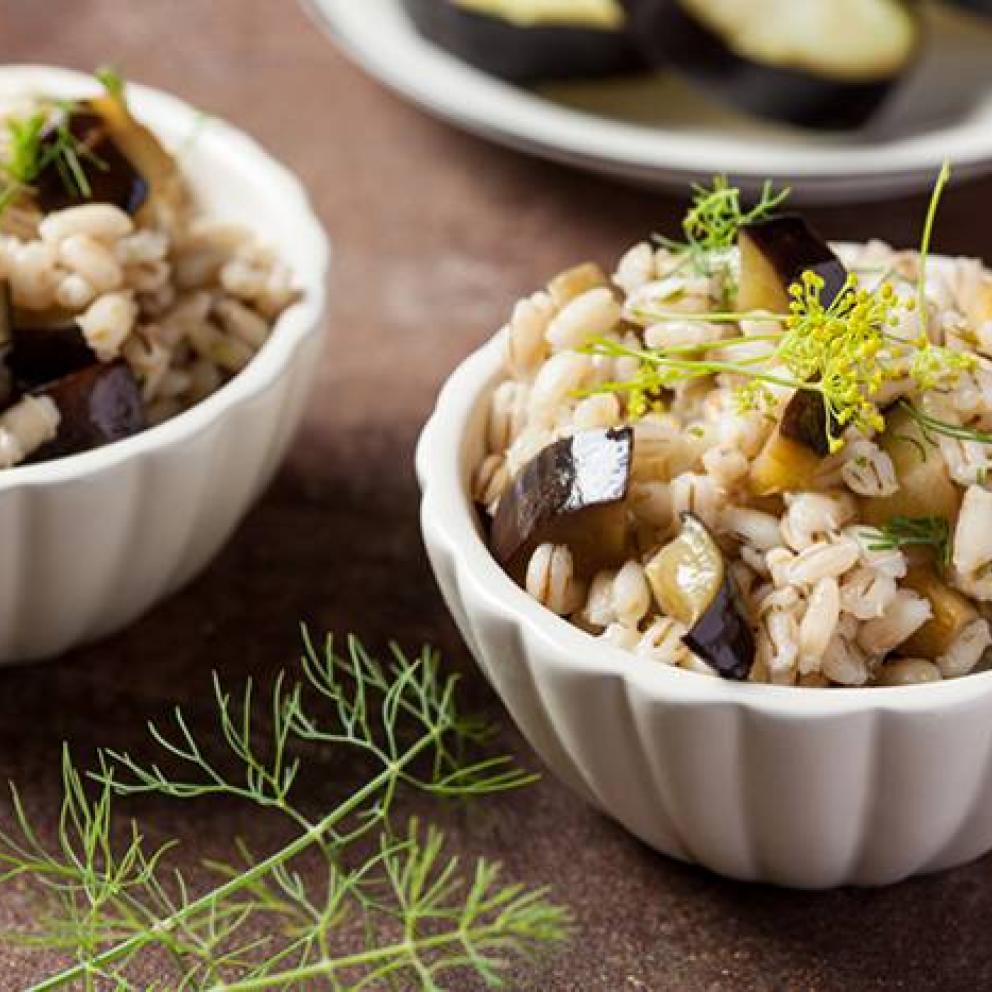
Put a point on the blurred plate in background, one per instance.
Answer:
(658, 131)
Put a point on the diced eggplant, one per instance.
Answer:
(691, 584)
(573, 493)
(925, 487)
(97, 406)
(792, 455)
(826, 64)
(122, 161)
(45, 346)
(784, 465)
(951, 613)
(110, 177)
(774, 255)
(527, 41)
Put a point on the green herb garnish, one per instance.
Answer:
(716, 217)
(930, 425)
(902, 532)
(425, 921)
(845, 350)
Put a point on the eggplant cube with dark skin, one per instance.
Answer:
(109, 176)
(97, 406)
(122, 162)
(573, 492)
(691, 584)
(774, 256)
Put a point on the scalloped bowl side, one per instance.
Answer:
(94, 540)
(796, 787)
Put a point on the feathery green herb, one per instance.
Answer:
(107, 902)
(903, 532)
(845, 350)
(930, 425)
(716, 217)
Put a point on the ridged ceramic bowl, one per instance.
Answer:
(810, 788)
(92, 541)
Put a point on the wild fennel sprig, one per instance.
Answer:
(901, 532)
(845, 349)
(106, 906)
(716, 216)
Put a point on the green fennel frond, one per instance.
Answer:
(901, 532)
(716, 216)
(106, 899)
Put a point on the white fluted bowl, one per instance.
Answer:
(810, 788)
(92, 541)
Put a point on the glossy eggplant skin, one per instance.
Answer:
(111, 176)
(785, 247)
(572, 492)
(669, 36)
(524, 54)
(98, 405)
(45, 348)
(722, 636)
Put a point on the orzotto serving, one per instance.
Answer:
(749, 456)
(120, 305)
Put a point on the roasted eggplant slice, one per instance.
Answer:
(573, 493)
(952, 612)
(112, 159)
(925, 487)
(45, 346)
(816, 63)
(691, 584)
(97, 405)
(526, 41)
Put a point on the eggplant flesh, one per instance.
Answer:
(691, 584)
(925, 485)
(791, 78)
(952, 612)
(97, 405)
(573, 492)
(521, 53)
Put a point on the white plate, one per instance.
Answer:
(659, 132)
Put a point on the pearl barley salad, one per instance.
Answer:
(751, 455)
(121, 305)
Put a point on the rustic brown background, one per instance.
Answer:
(437, 234)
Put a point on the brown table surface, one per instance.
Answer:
(436, 234)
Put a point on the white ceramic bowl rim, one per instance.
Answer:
(291, 329)
(448, 513)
